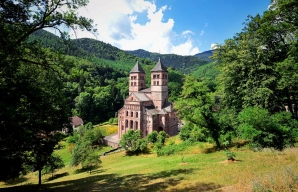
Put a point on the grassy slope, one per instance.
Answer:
(200, 172)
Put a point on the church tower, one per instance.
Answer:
(137, 79)
(159, 85)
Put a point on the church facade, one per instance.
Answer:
(148, 109)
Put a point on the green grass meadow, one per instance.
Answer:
(198, 168)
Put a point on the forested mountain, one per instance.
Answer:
(185, 64)
(205, 55)
(97, 82)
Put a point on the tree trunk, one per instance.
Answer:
(39, 177)
(217, 143)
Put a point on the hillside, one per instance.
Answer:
(208, 71)
(202, 169)
(185, 64)
(205, 56)
(100, 52)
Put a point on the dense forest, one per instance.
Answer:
(97, 82)
(185, 64)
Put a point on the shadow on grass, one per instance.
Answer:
(165, 180)
(210, 150)
(16, 181)
(56, 176)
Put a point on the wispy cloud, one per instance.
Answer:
(202, 32)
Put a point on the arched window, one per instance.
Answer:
(137, 114)
(131, 114)
(137, 124)
(131, 124)
(126, 123)
(126, 113)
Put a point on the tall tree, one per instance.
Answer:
(258, 65)
(32, 99)
(196, 106)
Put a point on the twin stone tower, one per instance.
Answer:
(148, 109)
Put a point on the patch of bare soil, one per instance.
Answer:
(183, 163)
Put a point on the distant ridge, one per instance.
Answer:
(205, 56)
(94, 50)
(185, 64)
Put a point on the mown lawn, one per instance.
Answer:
(203, 170)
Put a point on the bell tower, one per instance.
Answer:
(137, 78)
(159, 84)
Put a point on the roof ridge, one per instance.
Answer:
(137, 68)
(159, 66)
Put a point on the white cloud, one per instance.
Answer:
(186, 48)
(202, 32)
(214, 46)
(117, 24)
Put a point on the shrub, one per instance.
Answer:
(265, 130)
(133, 143)
(152, 137)
(192, 132)
(74, 138)
(173, 148)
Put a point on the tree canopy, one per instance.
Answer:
(32, 100)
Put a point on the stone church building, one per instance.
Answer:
(148, 109)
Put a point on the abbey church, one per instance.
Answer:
(148, 109)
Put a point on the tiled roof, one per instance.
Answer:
(75, 120)
(147, 90)
(142, 97)
(137, 68)
(159, 66)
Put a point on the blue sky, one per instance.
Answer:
(183, 27)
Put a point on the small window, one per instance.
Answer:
(157, 82)
(131, 114)
(134, 83)
(131, 84)
(137, 114)
(126, 113)
(154, 76)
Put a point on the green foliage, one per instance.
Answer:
(161, 137)
(265, 130)
(185, 64)
(173, 148)
(152, 137)
(133, 143)
(207, 71)
(258, 66)
(230, 154)
(74, 138)
(32, 99)
(192, 132)
(54, 162)
(85, 155)
(92, 161)
(113, 120)
(196, 106)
